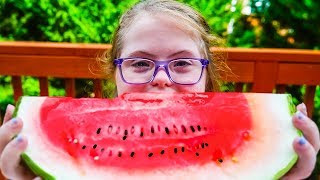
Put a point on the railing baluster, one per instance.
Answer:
(70, 87)
(281, 88)
(239, 87)
(44, 85)
(309, 99)
(17, 87)
(97, 88)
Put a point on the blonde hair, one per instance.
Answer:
(183, 15)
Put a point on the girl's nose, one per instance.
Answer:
(161, 79)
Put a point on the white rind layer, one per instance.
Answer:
(271, 151)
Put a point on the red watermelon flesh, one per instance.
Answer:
(139, 134)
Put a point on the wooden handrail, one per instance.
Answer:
(262, 70)
(265, 69)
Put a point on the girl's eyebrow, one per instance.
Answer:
(139, 53)
(185, 53)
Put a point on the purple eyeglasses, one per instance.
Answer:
(184, 71)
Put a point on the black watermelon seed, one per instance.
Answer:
(192, 129)
(98, 131)
(206, 144)
(220, 160)
(102, 149)
(183, 128)
(132, 154)
(152, 129)
(141, 134)
(197, 154)
(167, 130)
(162, 152)
(150, 154)
(199, 128)
(94, 146)
(125, 132)
(109, 129)
(83, 147)
(119, 154)
(124, 137)
(182, 149)
(175, 150)
(202, 145)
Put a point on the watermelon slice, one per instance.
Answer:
(160, 136)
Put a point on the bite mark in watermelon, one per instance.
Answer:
(161, 136)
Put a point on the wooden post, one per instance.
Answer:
(281, 88)
(97, 88)
(17, 87)
(309, 99)
(70, 87)
(44, 85)
(239, 87)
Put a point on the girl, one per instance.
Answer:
(162, 46)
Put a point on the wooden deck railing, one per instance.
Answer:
(267, 70)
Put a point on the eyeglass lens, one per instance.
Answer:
(183, 71)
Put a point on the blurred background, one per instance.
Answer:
(242, 23)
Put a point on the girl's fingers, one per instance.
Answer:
(309, 129)
(306, 161)
(10, 160)
(302, 108)
(8, 131)
(9, 112)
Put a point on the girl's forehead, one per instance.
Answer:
(158, 34)
(159, 22)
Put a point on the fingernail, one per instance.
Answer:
(19, 139)
(302, 141)
(304, 107)
(8, 106)
(300, 115)
(14, 122)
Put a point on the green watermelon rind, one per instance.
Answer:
(15, 112)
(287, 168)
(26, 159)
(292, 109)
(37, 170)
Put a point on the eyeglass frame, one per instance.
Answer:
(118, 62)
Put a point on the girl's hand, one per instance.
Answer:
(10, 150)
(306, 147)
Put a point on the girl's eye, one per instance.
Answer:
(181, 63)
(141, 64)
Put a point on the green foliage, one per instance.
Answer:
(280, 24)
(6, 93)
(218, 14)
(60, 20)
(56, 87)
